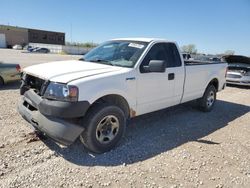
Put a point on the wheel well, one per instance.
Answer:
(116, 100)
(215, 83)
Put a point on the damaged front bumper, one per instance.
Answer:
(56, 119)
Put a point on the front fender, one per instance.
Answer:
(94, 89)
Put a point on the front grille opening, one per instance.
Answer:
(29, 106)
(233, 75)
(37, 84)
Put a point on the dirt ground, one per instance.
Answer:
(176, 147)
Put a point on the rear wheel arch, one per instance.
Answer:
(215, 83)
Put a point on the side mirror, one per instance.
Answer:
(155, 66)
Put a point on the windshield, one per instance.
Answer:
(117, 53)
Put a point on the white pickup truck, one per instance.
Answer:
(93, 98)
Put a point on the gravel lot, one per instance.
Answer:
(176, 147)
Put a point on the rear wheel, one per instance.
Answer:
(207, 102)
(104, 127)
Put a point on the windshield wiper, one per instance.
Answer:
(101, 61)
(82, 59)
(98, 60)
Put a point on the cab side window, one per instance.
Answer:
(167, 52)
(173, 55)
(157, 52)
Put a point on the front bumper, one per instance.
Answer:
(54, 118)
(238, 82)
(236, 78)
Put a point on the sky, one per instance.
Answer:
(214, 26)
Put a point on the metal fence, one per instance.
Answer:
(74, 50)
(2, 41)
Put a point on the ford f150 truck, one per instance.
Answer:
(92, 98)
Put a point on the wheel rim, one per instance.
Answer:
(210, 99)
(107, 129)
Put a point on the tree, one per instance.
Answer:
(229, 52)
(190, 48)
(85, 45)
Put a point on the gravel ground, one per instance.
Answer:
(176, 147)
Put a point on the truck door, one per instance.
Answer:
(160, 90)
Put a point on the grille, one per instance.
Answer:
(233, 76)
(35, 83)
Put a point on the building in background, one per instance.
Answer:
(12, 35)
(54, 41)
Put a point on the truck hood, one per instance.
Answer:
(66, 71)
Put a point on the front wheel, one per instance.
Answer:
(207, 102)
(1, 81)
(104, 127)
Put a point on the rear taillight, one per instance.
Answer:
(18, 68)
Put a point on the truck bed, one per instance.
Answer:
(198, 74)
(198, 62)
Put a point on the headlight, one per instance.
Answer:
(61, 92)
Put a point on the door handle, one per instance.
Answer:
(171, 76)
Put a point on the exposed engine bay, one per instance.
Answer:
(238, 70)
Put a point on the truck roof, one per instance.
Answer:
(141, 39)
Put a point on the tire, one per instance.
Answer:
(1, 81)
(206, 103)
(105, 126)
